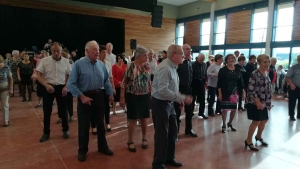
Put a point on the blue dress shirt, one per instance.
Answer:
(86, 76)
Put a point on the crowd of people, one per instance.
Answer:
(142, 84)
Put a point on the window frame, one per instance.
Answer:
(201, 35)
(275, 26)
(216, 29)
(254, 11)
(177, 32)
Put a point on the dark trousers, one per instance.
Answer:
(85, 112)
(187, 108)
(199, 97)
(293, 96)
(240, 99)
(165, 125)
(107, 107)
(48, 99)
(212, 92)
(69, 105)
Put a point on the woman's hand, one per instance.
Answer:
(19, 78)
(220, 97)
(259, 106)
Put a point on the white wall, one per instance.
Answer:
(169, 11)
(200, 7)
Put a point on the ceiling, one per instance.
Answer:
(177, 2)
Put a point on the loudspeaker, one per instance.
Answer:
(133, 44)
(157, 15)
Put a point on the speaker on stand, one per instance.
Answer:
(133, 45)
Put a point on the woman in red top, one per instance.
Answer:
(118, 70)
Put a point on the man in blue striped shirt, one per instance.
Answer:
(87, 78)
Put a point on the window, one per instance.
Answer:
(220, 31)
(194, 55)
(180, 34)
(295, 53)
(257, 51)
(219, 52)
(282, 55)
(284, 22)
(206, 53)
(259, 25)
(205, 32)
(242, 51)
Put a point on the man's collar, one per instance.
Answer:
(55, 59)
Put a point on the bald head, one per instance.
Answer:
(200, 58)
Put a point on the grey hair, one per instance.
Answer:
(88, 44)
(109, 43)
(43, 51)
(172, 49)
(15, 52)
(140, 51)
(273, 58)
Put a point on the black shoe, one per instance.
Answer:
(66, 134)
(59, 121)
(191, 133)
(223, 129)
(203, 116)
(173, 163)
(44, 138)
(38, 106)
(144, 146)
(81, 157)
(159, 167)
(131, 149)
(24, 99)
(71, 119)
(231, 126)
(261, 141)
(241, 109)
(29, 99)
(292, 118)
(250, 146)
(106, 151)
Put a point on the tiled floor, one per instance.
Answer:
(20, 147)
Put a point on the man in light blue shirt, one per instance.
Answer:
(87, 78)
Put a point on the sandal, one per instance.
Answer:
(131, 149)
(144, 146)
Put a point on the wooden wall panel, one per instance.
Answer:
(192, 33)
(136, 26)
(297, 21)
(238, 27)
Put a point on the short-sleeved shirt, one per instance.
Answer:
(294, 74)
(54, 72)
(138, 78)
(4, 74)
(26, 69)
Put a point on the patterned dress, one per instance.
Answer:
(14, 67)
(259, 87)
(230, 82)
(137, 91)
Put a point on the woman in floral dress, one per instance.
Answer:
(229, 83)
(13, 64)
(136, 84)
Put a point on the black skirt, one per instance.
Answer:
(255, 114)
(117, 96)
(26, 79)
(138, 106)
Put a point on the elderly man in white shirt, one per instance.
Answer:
(109, 55)
(53, 74)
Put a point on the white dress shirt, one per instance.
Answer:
(111, 58)
(54, 72)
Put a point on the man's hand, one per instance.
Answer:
(181, 105)
(49, 88)
(64, 91)
(292, 86)
(188, 100)
(10, 91)
(111, 98)
(85, 100)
